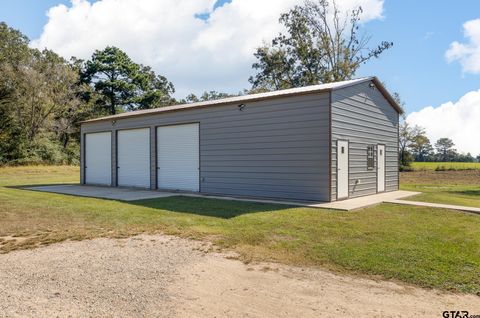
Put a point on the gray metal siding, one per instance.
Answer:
(82, 156)
(276, 148)
(364, 117)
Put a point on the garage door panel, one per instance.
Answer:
(98, 158)
(133, 158)
(178, 157)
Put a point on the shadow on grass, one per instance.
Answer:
(28, 186)
(224, 209)
(472, 193)
(211, 207)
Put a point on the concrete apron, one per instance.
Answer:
(130, 194)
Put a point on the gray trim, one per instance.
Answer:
(82, 157)
(330, 146)
(153, 158)
(114, 158)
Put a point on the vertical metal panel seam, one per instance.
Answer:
(115, 158)
(83, 179)
(199, 160)
(398, 151)
(330, 146)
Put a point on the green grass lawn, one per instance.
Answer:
(447, 187)
(445, 166)
(428, 247)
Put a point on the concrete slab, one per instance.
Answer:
(362, 202)
(129, 194)
(437, 205)
(124, 194)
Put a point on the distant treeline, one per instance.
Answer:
(415, 146)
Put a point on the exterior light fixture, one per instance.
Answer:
(241, 107)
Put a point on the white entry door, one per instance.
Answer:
(98, 158)
(133, 158)
(178, 157)
(380, 168)
(342, 169)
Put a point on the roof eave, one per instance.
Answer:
(218, 102)
(251, 98)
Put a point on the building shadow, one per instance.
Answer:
(219, 208)
(472, 193)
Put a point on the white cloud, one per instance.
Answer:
(468, 54)
(194, 54)
(459, 121)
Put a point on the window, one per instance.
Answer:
(370, 158)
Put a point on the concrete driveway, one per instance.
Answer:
(131, 194)
(124, 194)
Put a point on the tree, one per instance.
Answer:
(407, 137)
(14, 52)
(445, 150)
(123, 85)
(206, 96)
(421, 148)
(38, 89)
(464, 157)
(321, 45)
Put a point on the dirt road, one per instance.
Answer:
(165, 276)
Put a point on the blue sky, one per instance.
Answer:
(415, 67)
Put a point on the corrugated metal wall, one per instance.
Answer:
(276, 148)
(363, 116)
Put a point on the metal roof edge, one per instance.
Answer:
(254, 97)
(380, 87)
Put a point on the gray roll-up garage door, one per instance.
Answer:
(133, 158)
(98, 158)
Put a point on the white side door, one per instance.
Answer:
(342, 169)
(133, 158)
(98, 158)
(178, 157)
(380, 168)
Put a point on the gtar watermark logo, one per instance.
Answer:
(458, 314)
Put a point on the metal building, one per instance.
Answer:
(321, 143)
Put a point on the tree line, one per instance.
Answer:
(416, 146)
(43, 96)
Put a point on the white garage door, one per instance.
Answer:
(133, 158)
(178, 157)
(98, 158)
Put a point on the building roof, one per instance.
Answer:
(255, 97)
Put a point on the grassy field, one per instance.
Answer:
(447, 187)
(428, 247)
(418, 166)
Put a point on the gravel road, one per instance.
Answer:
(164, 276)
